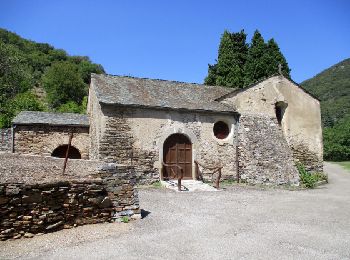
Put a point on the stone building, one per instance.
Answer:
(47, 134)
(256, 134)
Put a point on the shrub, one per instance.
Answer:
(308, 180)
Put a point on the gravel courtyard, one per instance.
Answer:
(236, 223)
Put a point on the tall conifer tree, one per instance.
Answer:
(275, 58)
(231, 59)
(257, 63)
(240, 64)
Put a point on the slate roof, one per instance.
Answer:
(140, 92)
(45, 118)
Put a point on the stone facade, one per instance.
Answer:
(45, 203)
(264, 160)
(5, 140)
(136, 137)
(44, 139)
(131, 118)
(301, 115)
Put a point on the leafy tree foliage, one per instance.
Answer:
(337, 141)
(22, 101)
(332, 87)
(15, 74)
(63, 82)
(240, 64)
(73, 107)
(70, 107)
(25, 64)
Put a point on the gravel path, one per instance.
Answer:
(237, 223)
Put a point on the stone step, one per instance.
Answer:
(188, 185)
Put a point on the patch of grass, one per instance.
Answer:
(157, 184)
(154, 185)
(345, 165)
(125, 219)
(228, 182)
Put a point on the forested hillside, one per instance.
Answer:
(36, 76)
(332, 87)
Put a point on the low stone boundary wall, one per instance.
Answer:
(42, 205)
(40, 208)
(5, 139)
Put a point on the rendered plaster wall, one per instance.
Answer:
(44, 139)
(264, 160)
(5, 139)
(301, 123)
(97, 123)
(136, 136)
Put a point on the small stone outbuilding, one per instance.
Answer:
(47, 134)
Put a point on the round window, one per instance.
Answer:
(221, 130)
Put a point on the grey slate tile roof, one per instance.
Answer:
(63, 119)
(139, 92)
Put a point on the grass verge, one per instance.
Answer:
(345, 165)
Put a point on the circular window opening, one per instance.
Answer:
(221, 130)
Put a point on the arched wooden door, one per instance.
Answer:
(177, 150)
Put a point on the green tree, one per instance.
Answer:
(257, 64)
(232, 55)
(69, 107)
(15, 75)
(275, 57)
(212, 75)
(240, 64)
(62, 82)
(337, 141)
(86, 68)
(22, 101)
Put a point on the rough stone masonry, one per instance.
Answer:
(49, 202)
(5, 139)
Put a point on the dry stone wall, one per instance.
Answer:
(39, 208)
(263, 153)
(5, 139)
(45, 203)
(43, 139)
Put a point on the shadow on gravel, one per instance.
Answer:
(144, 213)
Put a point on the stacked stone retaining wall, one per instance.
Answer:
(5, 139)
(44, 203)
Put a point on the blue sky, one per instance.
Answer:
(175, 40)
